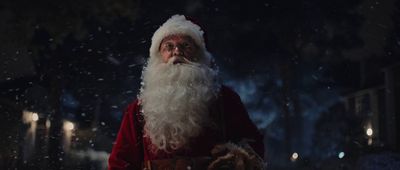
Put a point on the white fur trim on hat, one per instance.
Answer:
(177, 24)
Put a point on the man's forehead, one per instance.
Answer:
(175, 37)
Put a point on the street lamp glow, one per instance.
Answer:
(369, 132)
(48, 123)
(69, 125)
(35, 117)
(341, 155)
(294, 157)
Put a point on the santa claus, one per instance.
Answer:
(183, 117)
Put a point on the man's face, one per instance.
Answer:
(182, 47)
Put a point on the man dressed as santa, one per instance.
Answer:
(183, 117)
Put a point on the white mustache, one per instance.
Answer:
(182, 60)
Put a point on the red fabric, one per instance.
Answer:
(127, 153)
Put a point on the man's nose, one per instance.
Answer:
(177, 51)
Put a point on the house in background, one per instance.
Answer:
(379, 108)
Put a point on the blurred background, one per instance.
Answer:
(321, 79)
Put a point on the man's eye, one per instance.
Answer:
(168, 46)
(187, 46)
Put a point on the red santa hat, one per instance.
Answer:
(178, 24)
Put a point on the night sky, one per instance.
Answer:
(290, 61)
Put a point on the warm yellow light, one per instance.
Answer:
(370, 132)
(69, 125)
(35, 117)
(294, 157)
(48, 123)
(29, 117)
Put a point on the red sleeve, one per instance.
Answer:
(238, 123)
(127, 151)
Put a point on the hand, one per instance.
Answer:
(231, 156)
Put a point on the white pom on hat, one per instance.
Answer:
(178, 24)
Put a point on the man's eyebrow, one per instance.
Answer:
(166, 41)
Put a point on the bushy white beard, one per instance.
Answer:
(175, 100)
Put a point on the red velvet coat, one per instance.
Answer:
(130, 150)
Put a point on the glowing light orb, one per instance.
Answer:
(370, 132)
(341, 155)
(69, 125)
(35, 117)
(294, 157)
